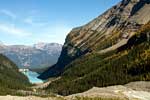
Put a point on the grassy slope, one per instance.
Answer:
(10, 78)
(129, 63)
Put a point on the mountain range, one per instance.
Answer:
(40, 55)
(114, 48)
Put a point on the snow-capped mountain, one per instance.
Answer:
(39, 55)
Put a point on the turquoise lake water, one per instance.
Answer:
(32, 76)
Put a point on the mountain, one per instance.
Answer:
(111, 49)
(10, 78)
(40, 55)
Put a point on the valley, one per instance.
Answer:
(106, 59)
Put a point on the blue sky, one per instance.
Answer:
(31, 21)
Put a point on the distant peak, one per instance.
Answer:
(1, 43)
(43, 45)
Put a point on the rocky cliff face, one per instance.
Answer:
(107, 32)
(39, 55)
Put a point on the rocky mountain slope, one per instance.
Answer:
(114, 26)
(130, 91)
(10, 78)
(39, 55)
(111, 49)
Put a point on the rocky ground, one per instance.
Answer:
(23, 98)
(131, 91)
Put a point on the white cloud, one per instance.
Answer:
(12, 30)
(8, 13)
(30, 21)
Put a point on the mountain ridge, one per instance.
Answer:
(27, 56)
(113, 26)
(112, 49)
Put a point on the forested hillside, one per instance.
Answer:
(11, 79)
(130, 62)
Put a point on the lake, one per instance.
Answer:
(32, 76)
